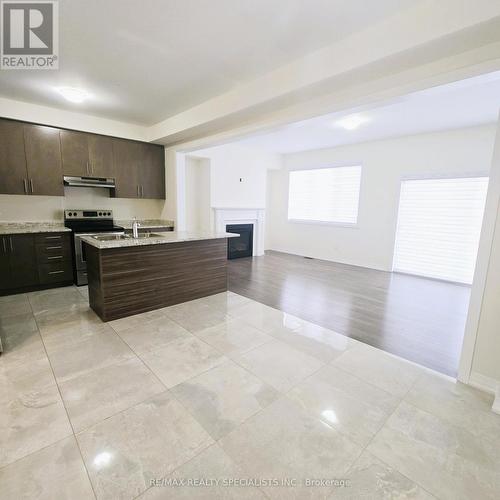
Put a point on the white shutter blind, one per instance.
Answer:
(325, 195)
(439, 226)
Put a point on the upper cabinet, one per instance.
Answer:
(34, 159)
(13, 174)
(75, 153)
(140, 170)
(126, 156)
(101, 156)
(30, 159)
(86, 155)
(152, 171)
(43, 160)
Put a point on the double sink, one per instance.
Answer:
(114, 237)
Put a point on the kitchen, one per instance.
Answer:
(46, 161)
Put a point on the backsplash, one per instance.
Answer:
(51, 208)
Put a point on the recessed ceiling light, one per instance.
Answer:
(351, 122)
(72, 94)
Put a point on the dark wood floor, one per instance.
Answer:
(416, 318)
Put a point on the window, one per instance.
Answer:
(325, 195)
(439, 225)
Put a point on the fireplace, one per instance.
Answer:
(242, 246)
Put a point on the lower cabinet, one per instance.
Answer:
(23, 269)
(31, 261)
(54, 260)
(4, 264)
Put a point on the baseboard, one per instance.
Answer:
(34, 288)
(496, 403)
(489, 385)
(324, 259)
(483, 383)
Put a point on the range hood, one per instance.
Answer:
(89, 182)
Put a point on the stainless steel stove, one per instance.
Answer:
(84, 223)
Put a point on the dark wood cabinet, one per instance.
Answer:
(18, 261)
(75, 153)
(34, 261)
(86, 155)
(43, 160)
(5, 278)
(54, 258)
(30, 159)
(13, 175)
(126, 156)
(34, 158)
(140, 170)
(23, 266)
(101, 156)
(152, 172)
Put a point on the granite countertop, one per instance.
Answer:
(32, 227)
(146, 223)
(163, 238)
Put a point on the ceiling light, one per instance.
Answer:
(352, 122)
(73, 95)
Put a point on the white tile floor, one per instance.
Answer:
(226, 389)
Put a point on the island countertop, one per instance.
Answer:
(160, 239)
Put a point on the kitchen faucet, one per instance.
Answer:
(135, 228)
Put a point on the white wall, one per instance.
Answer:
(238, 175)
(197, 178)
(385, 163)
(50, 208)
(46, 115)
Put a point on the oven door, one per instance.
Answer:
(80, 262)
(80, 258)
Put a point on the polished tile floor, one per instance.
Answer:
(224, 397)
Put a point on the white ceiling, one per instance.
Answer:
(143, 61)
(465, 103)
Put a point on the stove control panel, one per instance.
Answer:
(88, 214)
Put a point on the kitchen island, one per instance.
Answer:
(129, 275)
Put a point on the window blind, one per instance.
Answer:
(325, 195)
(439, 226)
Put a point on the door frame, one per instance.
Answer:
(492, 206)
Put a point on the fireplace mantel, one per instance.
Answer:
(231, 215)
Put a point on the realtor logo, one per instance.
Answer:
(29, 34)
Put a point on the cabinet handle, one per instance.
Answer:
(55, 272)
(138, 195)
(56, 257)
(52, 237)
(92, 167)
(52, 248)
(31, 184)
(142, 191)
(4, 245)
(11, 245)
(87, 167)
(25, 183)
